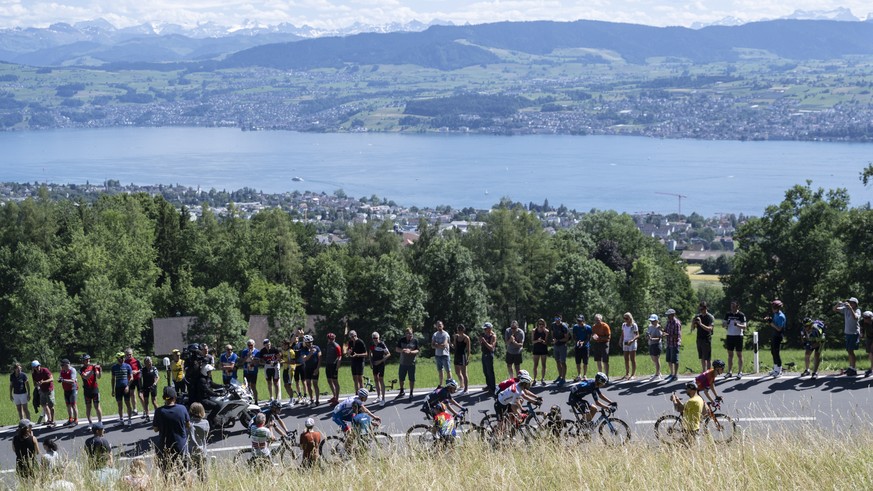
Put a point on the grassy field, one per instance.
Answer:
(426, 375)
(699, 279)
(806, 459)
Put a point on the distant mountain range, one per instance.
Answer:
(445, 47)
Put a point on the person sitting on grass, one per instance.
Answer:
(310, 442)
(691, 411)
(137, 478)
(706, 380)
(261, 438)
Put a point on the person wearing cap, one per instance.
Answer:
(228, 360)
(408, 349)
(248, 358)
(122, 374)
(333, 358)
(672, 343)
(866, 326)
(600, 335)
(654, 333)
(19, 391)
(310, 442)
(26, 450)
(357, 351)
(311, 367)
(488, 345)
(704, 323)
(172, 424)
(44, 383)
(735, 322)
(778, 323)
(560, 332)
(691, 411)
(269, 357)
(70, 384)
(581, 348)
(852, 316)
(90, 374)
(177, 372)
(99, 453)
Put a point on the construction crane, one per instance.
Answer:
(680, 196)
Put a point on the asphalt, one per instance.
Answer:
(760, 405)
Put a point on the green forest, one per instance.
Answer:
(88, 277)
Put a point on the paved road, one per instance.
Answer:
(760, 405)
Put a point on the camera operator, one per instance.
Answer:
(852, 330)
(704, 322)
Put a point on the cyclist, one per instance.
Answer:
(441, 395)
(274, 419)
(691, 410)
(345, 411)
(706, 381)
(508, 382)
(812, 335)
(590, 387)
(90, 373)
(509, 399)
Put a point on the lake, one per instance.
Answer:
(582, 172)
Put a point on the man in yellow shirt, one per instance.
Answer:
(177, 371)
(288, 362)
(691, 411)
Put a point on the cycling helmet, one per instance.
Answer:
(309, 422)
(525, 379)
(86, 356)
(718, 364)
(601, 378)
(193, 347)
(363, 393)
(120, 354)
(522, 373)
(807, 321)
(307, 338)
(451, 384)
(776, 304)
(275, 404)
(690, 386)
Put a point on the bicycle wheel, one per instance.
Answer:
(720, 427)
(614, 432)
(288, 453)
(419, 437)
(243, 456)
(334, 449)
(468, 430)
(380, 444)
(535, 426)
(668, 429)
(577, 431)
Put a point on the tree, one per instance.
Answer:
(111, 318)
(40, 322)
(219, 319)
(579, 285)
(455, 287)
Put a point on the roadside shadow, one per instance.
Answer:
(139, 448)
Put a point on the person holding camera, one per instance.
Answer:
(777, 322)
(735, 323)
(852, 315)
(704, 323)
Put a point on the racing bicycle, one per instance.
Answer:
(670, 428)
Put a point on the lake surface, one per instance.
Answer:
(582, 172)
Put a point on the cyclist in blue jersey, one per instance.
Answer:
(441, 395)
(122, 374)
(579, 391)
(345, 411)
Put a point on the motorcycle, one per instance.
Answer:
(237, 404)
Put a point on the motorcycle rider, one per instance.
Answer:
(201, 390)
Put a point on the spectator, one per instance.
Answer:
(198, 438)
(852, 330)
(310, 443)
(812, 335)
(69, 382)
(655, 334)
(379, 354)
(137, 478)
(26, 450)
(288, 362)
(581, 350)
(121, 377)
(261, 436)
(45, 386)
(735, 322)
(297, 346)
(630, 333)
(560, 333)
(704, 323)
(311, 367)
(333, 358)
(269, 357)
(90, 375)
(50, 459)
(228, 361)
(248, 358)
(600, 334)
(172, 423)
(488, 345)
(99, 453)
(208, 357)
(150, 378)
(514, 339)
(777, 323)
(408, 350)
(866, 326)
(462, 346)
(135, 393)
(539, 347)
(673, 341)
(19, 391)
(357, 351)
(177, 372)
(440, 344)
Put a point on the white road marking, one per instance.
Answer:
(743, 420)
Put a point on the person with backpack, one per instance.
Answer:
(812, 336)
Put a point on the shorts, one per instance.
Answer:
(442, 362)
(331, 371)
(20, 399)
(120, 395)
(136, 384)
(251, 378)
(810, 347)
(47, 398)
(225, 378)
(357, 367)
(868, 343)
(500, 409)
(629, 348)
(581, 354)
(734, 343)
(271, 374)
(379, 370)
(513, 359)
(600, 351)
(579, 404)
(852, 342)
(298, 373)
(70, 396)
(405, 370)
(704, 349)
(672, 354)
(461, 360)
(560, 353)
(655, 349)
(286, 376)
(310, 373)
(540, 349)
(150, 391)
(91, 395)
(342, 421)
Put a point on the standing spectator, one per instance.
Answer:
(288, 362)
(560, 333)
(866, 326)
(249, 360)
(852, 330)
(26, 450)
(299, 383)
(177, 372)
(45, 387)
(440, 344)
(269, 357)
(600, 334)
(777, 322)
(90, 388)
(539, 347)
(357, 351)
(68, 379)
(19, 391)
(172, 423)
(198, 437)
(150, 379)
(812, 335)
(630, 333)
(99, 453)
(121, 376)
(310, 443)
(735, 322)
(208, 357)
(673, 341)
(408, 350)
(655, 334)
(228, 361)
(379, 354)
(581, 350)
(704, 323)
(488, 344)
(462, 347)
(135, 393)
(333, 358)
(514, 339)
(311, 367)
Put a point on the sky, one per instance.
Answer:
(334, 14)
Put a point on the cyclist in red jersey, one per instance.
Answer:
(90, 373)
(136, 381)
(706, 380)
(70, 385)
